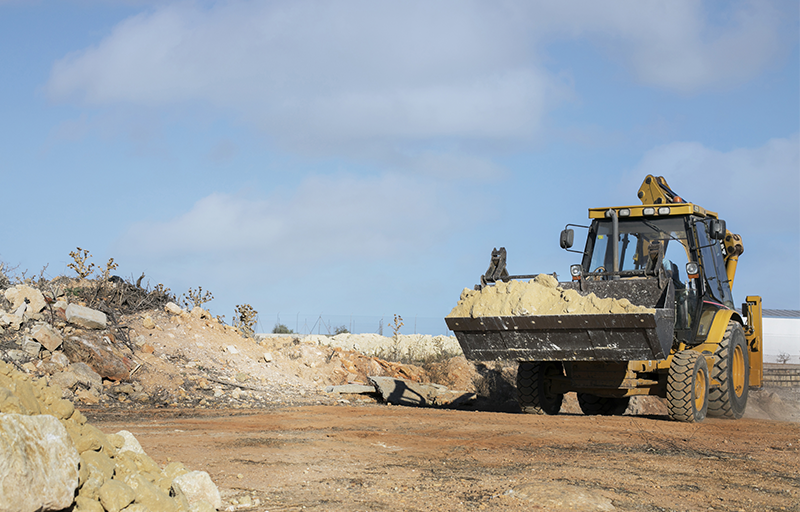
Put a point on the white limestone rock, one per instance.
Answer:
(173, 308)
(197, 487)
(31, 347)
(17, 296)
(38, 464)
(130, 444)
(49, 338)
(87, 318)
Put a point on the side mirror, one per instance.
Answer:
(718, 229)
(567, 238)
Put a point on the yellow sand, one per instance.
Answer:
(539, 296)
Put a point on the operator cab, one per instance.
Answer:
(680, 244)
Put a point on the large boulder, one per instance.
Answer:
(197, 487)
(99, 356)
(24, 294)
(38, 464)
(87, 318)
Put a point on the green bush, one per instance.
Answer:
(281, 329)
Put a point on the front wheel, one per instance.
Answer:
(732, 371)
(687, 387)
(534, 387)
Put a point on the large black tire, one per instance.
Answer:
(687, 387)
(533, 387)
(732, 371)
(593, 405)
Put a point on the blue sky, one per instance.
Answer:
(358, 159)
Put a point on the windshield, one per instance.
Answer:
(635, 236)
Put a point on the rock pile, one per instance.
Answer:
(48, 451)
(539, 296)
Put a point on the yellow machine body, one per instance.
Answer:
(708, 363)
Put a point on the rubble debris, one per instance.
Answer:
(50, 338)
(31, 347)
(148, 323)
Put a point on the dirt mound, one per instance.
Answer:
(539, 296)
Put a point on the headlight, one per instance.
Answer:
(649, 211)
(625, 212)
(576, 271)
(664, 210)
(692, 270)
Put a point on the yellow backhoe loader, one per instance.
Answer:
(694, 349)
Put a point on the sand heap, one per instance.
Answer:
(539, 296)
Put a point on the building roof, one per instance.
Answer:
(780, 313)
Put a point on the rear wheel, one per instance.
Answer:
(534, 387)
(593, 405)
(687, 387)
(732, 371)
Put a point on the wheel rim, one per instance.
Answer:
(738, 370)
(699, 390)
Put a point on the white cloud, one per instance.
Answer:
(329, 73)
(681, 45)
(334, 77)
(745, 184)
(326, 220)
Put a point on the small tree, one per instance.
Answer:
(281, 329)
(783, 357)
(341, 330)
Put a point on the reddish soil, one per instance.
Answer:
(377, 457)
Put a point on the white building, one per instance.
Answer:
(781, 329)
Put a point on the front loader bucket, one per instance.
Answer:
(596, 337)
(611, 337)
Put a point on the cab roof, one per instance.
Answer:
(653, 210)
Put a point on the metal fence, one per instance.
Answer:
(302, 323)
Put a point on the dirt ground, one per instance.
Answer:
(255, 414)
(372, 457)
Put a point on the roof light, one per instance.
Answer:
(664, 210)
(649, 211)
(625, 212)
